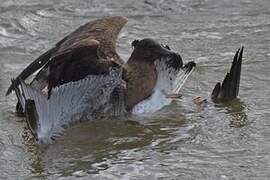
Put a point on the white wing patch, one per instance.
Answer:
(71, 102)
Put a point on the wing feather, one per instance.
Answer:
(104, 30)
(229, 88)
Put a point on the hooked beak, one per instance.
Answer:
(174, 59)
(189, 66)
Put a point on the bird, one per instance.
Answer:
(229, 88)
(83, 74)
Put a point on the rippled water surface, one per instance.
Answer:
(181, 141)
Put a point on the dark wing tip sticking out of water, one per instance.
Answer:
(29, 107)
(30, 69)
(229, 88)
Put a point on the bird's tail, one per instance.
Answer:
(229, 89)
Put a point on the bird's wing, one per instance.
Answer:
(69, 103)
(32, 68)
(104, 30)
(76, 62)
(80, 84)
(229, 88)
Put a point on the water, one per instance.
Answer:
(182, 141)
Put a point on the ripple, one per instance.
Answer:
(2, 147)
(12, 67)
(3, 32)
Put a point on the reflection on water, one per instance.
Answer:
(221, 141)
(237, 110)
(94, 145)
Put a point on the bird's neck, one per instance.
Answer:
(141, 79)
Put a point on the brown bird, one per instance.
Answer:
(80, 68)
(90, 50)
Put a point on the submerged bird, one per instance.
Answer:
(83, 76)
(228, 90)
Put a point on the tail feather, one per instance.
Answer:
(237, 73)
(229, 89)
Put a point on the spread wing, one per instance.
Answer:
(76, 62)
(80, 84)
(69, 103)
(229, 88)
(105, 31)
